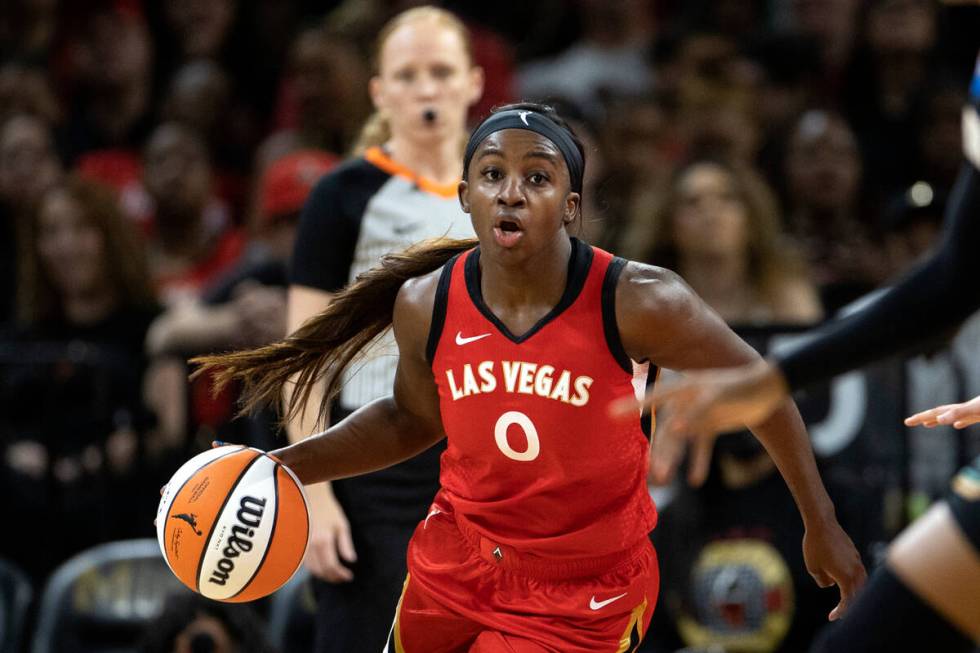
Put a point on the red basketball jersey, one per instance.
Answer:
(533, 461)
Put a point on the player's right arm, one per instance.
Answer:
(389, 430)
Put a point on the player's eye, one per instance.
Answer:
(491, 174)
(538, 178)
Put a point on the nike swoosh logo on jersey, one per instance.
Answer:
(460, 340)
(598, 605)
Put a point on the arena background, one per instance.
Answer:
(841, 118)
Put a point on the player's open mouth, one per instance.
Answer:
(507, 233)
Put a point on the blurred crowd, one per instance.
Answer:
(786, 157)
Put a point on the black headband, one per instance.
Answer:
(535, 122)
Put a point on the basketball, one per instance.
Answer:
(233, 524)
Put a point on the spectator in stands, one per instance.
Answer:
(27, 89)
(833, 25)
(937, 124)
(892, 69)
(912, 221)
(716, 89)
(110, 72)
(75, 427)
(322, 99)
(247, 306)
(718, 226)
(201, 28)
(199, 98)
(789, 68)
(29, 164)
(191, 623)
(609, 57)
(192, 238)
(28, 167)
(641, 148)
(238, 38)
(823, 172)
(28, 28)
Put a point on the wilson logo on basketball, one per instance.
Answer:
(249, 517)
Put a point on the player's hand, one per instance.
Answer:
(831, 559)
(959, 416)
(330, 538)
(701, 405)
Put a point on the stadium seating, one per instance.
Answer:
(101, 599)
(16, 594)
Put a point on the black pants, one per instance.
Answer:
(888, 616)
(356, 616)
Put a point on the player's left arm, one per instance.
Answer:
(662, 320)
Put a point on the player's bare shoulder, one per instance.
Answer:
(652, 304)
(412, 315)
(648, 290)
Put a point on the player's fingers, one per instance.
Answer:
(217, 443)
(927, 416)
(624, 408)
(849, 583)
(666, 453)
(345, 544)
(328, 565)
(839, 610)
(959, 416)
(966, 421)
(700, 460)
(822, 578)
(627, 407)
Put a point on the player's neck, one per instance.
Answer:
(438, 161)
(532, 286)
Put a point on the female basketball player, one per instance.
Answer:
(400, 188)
(927, 595)
(512, 350)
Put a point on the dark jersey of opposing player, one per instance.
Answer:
(533, 460)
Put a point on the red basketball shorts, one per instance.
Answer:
(467, 594)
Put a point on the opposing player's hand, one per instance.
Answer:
(330, 538)
(959, 416)
(702, 404)
(831, 559)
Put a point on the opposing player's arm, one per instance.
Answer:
(662, 320)
(388, 430)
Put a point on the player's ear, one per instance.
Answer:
(573, 202)
(463, 190)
